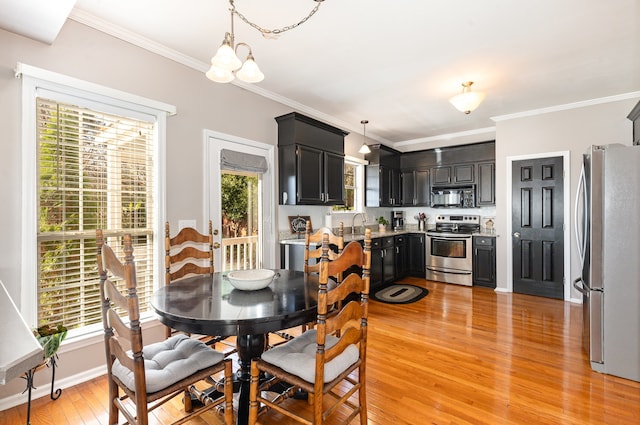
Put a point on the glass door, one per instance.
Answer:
(240, 187)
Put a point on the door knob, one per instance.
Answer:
(516, 234)
(216, 245)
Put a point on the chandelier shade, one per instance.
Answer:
(250, 72)
(225, 57)
(467, 101)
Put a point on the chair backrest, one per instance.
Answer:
(316, 240)
(119, 330)
(350, 323)
(189, 252)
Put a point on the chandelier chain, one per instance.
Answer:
(265, 32)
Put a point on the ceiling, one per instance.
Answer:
(394, 63)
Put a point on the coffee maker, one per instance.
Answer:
(397, 220)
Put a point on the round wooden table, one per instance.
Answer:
(209, 305)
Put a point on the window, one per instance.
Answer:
(95, 170)
(93, 158)
(353, 177)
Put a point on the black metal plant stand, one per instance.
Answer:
(29, 375)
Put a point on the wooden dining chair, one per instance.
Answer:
(313, 246)
(190, 253)
(317, 361)
(142, 378)
(187, 253)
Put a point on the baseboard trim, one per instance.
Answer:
(45, 390)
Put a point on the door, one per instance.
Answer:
(240, 201)
(538, 227)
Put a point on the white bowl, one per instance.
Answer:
(251, 280)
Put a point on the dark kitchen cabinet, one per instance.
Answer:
(382, 261)
(484, 261)
(415, 188)
(400, 248)
(383, 177)
(320, 177)
(415, 255)
(383, 188)
(311, 161)
(486, 184)
(453, 174)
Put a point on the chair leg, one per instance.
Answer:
(253, 393)
(113, 409)
(228, 393)
(362, 395)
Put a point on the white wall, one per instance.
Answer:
(571, 130)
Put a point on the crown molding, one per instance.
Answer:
(567, 106)
(448, 136)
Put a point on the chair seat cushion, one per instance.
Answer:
(298, 357)
(169, 361)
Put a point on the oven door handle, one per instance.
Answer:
(448, 271)
(451, 238)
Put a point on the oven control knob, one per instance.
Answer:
(516, 234)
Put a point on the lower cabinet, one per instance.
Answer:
(415, 255)
(484, 261)
(382, 261)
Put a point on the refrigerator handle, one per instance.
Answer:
(580, 195)
(580, 287)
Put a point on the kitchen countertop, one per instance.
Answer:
(294, 240)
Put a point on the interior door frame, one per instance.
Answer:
(215, 141)
(566, 179)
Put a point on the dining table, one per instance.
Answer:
(210, 305)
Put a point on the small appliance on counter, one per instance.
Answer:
(397, 220)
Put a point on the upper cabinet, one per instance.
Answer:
(486, 184)
(311, 161)
(383, 177)
(415, 188)
(453, 174)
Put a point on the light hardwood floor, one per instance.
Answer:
(459, 356)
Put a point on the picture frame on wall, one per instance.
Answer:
(298, 223)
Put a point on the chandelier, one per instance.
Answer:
(226, 65)
(467, 101)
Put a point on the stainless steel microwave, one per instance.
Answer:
(453, 197)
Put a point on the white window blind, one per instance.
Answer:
(95, 170)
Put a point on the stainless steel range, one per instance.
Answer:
(449, 249)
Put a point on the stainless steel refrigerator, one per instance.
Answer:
(607, 220)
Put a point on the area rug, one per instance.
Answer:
(399, 293)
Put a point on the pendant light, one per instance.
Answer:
(364, 148)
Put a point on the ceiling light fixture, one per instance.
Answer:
(364, 148)
(226, 65)
(467, 101)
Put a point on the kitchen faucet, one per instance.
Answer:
(353, 223)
